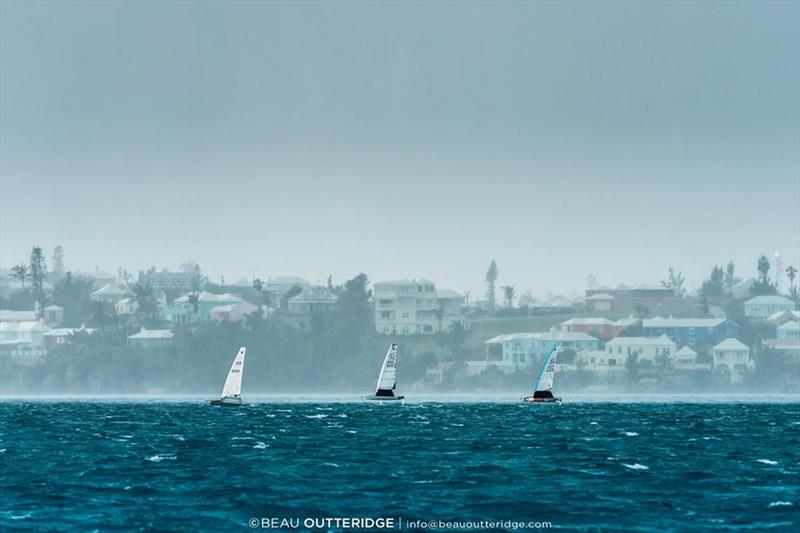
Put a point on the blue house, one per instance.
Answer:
(694, 332)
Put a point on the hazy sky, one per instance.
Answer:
(402, 140)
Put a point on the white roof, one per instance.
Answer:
(7, 315)
(24, 325)
(626, 321)
(587, 322)
(542, 336)
(659, 322)
(110, 289)
(686, 351)
(448, 294)
(153, 334)
(790, 325)
(663, 340)
(731, 344)
(65, 332)
(287, 280)
(53, 307)
(208, 297)
(230, 307)
(771, 299)
(601, 296)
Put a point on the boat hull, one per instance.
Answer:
(532, 399)
(375, 398)
(227, 402)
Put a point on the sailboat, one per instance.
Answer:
(544, 382)
(387, 379)
(232, 391)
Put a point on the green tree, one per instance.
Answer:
(439, 313)
(74, 295)
(291, 293)
(38, 274)
(791, 273)
(145, 296)
(730, 277)
(762, 284)
(193, 299)
(675, 281)
(456, 339)
(714, 286)
(491, 279)
(20, 272)
(509, 293)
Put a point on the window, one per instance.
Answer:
(522, 358)
(612, 362)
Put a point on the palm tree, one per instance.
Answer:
(791, 273)
(194, 301)
(20, 272)
(509, 293)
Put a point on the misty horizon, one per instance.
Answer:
(403, 140)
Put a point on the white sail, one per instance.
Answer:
(233, 385)
(545, 381)
(387, 379)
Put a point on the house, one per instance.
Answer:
(280, 287)
(53, 315)
(22, 340)
(152, 338)
(781, 317)
(183, 311)
(741, 290)
(760, 308)
(109, 293)
(517, 351)
(232, 312)
(6, 315)
(312, 299)
(597, 327)
(601, 361)
(731, 360)
(686, 359)
(788, 330)
(409, 307)
(59, 336)
(646, 348)
(700, 332)
(600, 302)
(173, 281)
(451, 305)
(126, 306)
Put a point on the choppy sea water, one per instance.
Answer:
(581, 466)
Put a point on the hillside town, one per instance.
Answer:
(65, 330)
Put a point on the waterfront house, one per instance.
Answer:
(183, 311)
(411, 307)
(686, 359)
(525, 350)
(760, 308)
(788, 331)
(646, 348)
(695, 332)
(232, 312)
(59, 336)
(22, 340)
(731, 360)
(152, 338)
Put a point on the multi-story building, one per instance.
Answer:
(694, 332)
(627, 299)
(646, 348)
(409, 307)
(732, 360)
(598, 327)
(760, 308)
(524, 350)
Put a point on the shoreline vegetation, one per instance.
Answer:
(339, 348)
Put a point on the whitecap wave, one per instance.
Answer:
(158, 458)
(636, 466)
(259, 445)
(316, 416)
(766, 461)
(780, 504)
(631, 434)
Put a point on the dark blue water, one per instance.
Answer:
(580, 466)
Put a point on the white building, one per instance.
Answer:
(151, 338)
(732, 360)
(109, 293)
(22, 340)
(524, 350)
(647, 348)
(788, 330)
(280, 287)
(686, 359)
(760, 308)
(414, 307)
